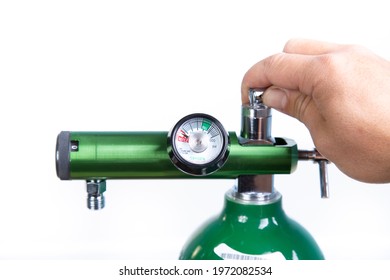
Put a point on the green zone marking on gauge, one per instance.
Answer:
(206, 124)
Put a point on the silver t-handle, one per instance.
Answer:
(316, 157)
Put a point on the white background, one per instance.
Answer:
(142, 65)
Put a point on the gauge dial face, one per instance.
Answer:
(199, 144)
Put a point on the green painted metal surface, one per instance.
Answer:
(241, 231)
(252, 232)
(137, 155)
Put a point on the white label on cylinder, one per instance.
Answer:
(226, 253)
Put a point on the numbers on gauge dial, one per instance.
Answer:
(199, 141)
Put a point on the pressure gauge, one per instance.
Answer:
(198, 144)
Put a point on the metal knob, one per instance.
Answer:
(256, 120)
(316, 157)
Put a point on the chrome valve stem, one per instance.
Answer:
(256, 120)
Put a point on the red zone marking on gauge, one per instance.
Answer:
(183, 137)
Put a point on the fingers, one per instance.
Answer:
(291, 78)
(310, 47)
(294, 104)
(295, 68)
(283, 70)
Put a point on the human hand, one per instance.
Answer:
(341, 93)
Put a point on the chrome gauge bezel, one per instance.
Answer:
(193, 168)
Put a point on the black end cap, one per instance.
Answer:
(63, 155)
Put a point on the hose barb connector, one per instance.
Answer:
(95, 190)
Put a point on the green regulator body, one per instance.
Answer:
(252, 224)
(144, 155)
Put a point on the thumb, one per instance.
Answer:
(292, 103)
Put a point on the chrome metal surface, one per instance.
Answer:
(253, 197)
(256, 120)
(254, 188)
(256, 95)
(198, 141)
(198, 145)
(317, 157)
(95, 190)
(324, 183)
(255, 183)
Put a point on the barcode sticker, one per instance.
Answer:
(227, 253)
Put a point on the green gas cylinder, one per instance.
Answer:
(252, 227)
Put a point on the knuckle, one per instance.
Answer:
(326, 72)
(328, 63)
(271, 64)
(272, 60)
